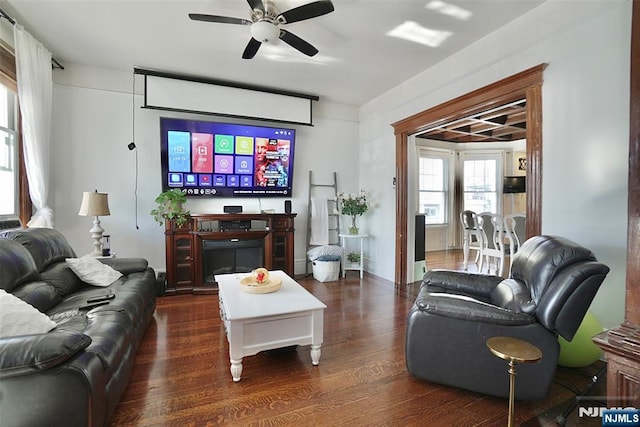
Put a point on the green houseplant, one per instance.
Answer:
(353, 257)
(171, 208)
(353, 205)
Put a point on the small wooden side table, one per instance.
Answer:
(513, 351)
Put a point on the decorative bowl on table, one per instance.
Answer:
(260, 282)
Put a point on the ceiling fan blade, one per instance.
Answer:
(306, 11)
(251, 49)
(297, 43)
(256, 4)
(219, 19)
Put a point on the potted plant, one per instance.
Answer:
(170, 208)
(353, 257)
(353, 205)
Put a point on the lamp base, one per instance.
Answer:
(96, 233)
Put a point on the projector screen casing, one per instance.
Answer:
(164, 91)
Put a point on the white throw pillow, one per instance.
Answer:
(92, 271)
(19, 318)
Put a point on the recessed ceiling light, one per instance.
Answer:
(449, 9)
(415, 32)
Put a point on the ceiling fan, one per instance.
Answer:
(266, 20)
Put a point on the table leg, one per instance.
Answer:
(361, 257)
(315, 354)
(465, 251)
(343, 243)
(236, 369)
(512, 390)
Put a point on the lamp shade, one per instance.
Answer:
(94, 204)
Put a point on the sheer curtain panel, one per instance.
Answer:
(35, 87)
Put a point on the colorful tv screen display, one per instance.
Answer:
(213, 159)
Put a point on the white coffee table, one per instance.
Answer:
(257, 322)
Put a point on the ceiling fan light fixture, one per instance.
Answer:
(264, 31)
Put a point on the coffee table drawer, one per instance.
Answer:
(277, 332)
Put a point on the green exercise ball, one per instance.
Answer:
(581, 350)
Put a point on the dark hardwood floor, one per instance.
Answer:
(181, 375)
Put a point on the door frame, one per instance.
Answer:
(524, 85)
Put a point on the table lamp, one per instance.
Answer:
(95, 204)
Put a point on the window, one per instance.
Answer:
(480, 178)
(14, 191)
(433, 185)
(9, 170)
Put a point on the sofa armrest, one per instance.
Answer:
(458, 282)
(467, 308)
(25, 354)
(126, 265)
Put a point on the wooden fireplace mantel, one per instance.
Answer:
(621, 346)
(184, 245)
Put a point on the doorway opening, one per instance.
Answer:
(525, 85)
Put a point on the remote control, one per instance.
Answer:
(94, 305)
(99, 298)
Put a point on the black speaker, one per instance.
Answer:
(232, 209)
(287, 206)
(161, 283)
(420, 237)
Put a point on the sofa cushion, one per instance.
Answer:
(46, 245)
(19, 318)
(92, 271)
(62, 278)
(39, 294)
(39, 352)
(111, 333)
(17, 265)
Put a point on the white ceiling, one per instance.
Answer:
(357, 60)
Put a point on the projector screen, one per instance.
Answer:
(180, 94)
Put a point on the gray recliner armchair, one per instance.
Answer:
(552, 284)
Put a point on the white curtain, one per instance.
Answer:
(35, 92)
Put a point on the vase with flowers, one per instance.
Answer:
(353, 205)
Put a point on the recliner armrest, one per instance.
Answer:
(126, 265)
(467, 308)
(462, 283)
(26, 354)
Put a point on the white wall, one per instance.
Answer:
(585, 127)
(92, 127)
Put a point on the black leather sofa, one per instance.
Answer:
(75, 374)
(553, 281)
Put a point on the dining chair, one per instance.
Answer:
(495, 248)
(472, 238)
(515, 226)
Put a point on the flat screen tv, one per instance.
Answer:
(514, 184)
(210, 159)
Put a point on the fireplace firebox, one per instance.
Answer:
(230, 256)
